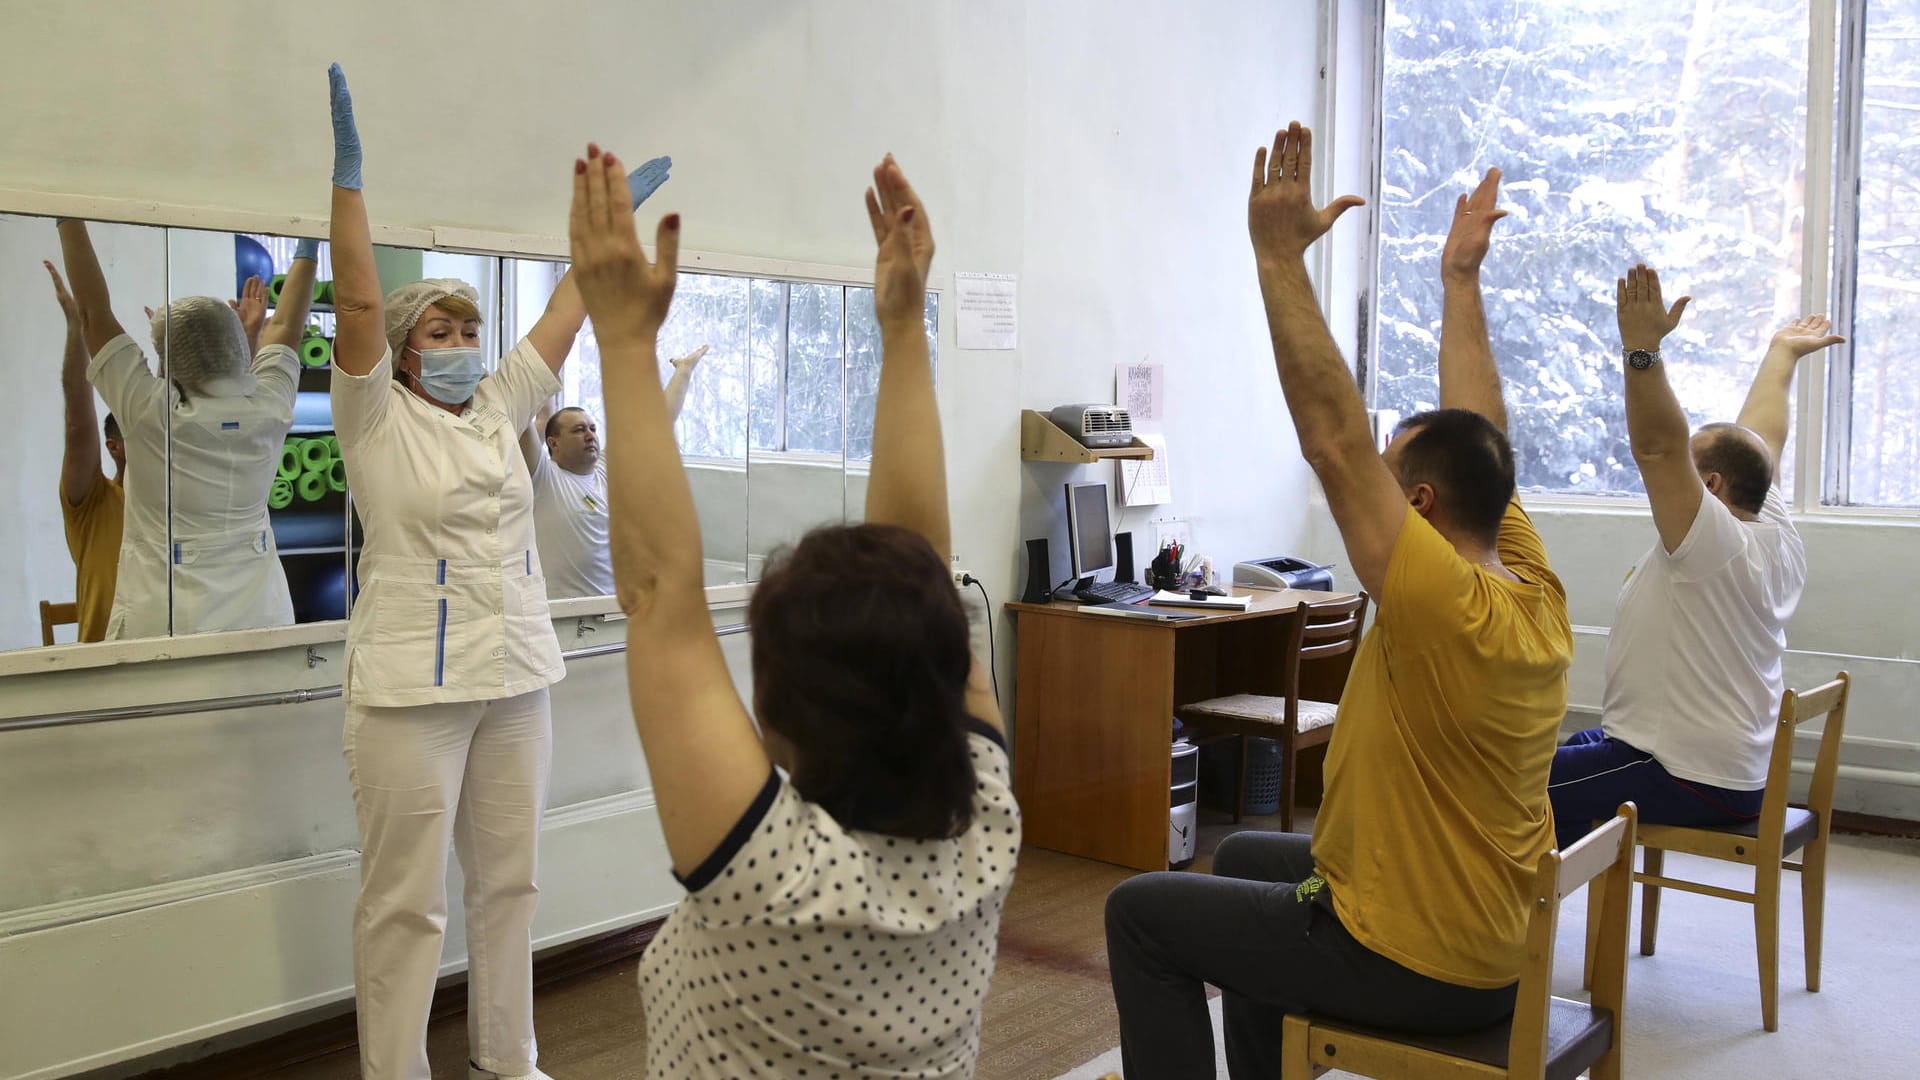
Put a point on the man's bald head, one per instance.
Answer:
(1740, 459)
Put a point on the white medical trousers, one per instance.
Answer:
(474, 772)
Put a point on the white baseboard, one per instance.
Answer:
(109, 979)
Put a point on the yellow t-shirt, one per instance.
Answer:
(1436, 807)
(93, 539)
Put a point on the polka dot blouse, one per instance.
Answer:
(804, 949)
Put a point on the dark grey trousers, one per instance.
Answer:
(1272, 949)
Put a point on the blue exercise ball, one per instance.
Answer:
(250, 259)
(325, 595)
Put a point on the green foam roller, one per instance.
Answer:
(274, 287)
(316, 352)
(323, 292)
(290, 460)
(311, 486)
(314, 455)
(281, 495)
(337, 475)
(333, 444)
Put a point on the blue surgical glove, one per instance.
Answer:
(307, 248)
(346, 138)
(647, 179)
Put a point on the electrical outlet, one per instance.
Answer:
(1172, 530)
(959, 575)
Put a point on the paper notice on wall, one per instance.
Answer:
(1145, 483)
(989, 310)
(1141, 390)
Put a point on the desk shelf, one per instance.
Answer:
(1043, 440)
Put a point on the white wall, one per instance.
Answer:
(1140, 134)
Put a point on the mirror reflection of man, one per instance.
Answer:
(570, 490)
(92, 504)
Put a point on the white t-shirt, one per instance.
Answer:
(570, 528)
(1694, 660)
(807, 949)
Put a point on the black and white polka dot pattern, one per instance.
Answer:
(804, 949)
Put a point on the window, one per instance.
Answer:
(793, 367)
(1874, 382)
(1672, 134)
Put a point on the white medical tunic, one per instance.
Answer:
(570, 518)
(225, 446)
(452, 604)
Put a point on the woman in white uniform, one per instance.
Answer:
(840, 920)
(450, 647)
(219, 421)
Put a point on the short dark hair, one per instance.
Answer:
(861, 653)
(1468, 462)
(110, 427)
(1737, 454)
(553, 422)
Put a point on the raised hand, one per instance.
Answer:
(1281, 217)
(68, 306)
(646, 180)
(1804, 335)
(626, 295)
(346, 136)
(1472, 230)
(251, 307)
(905, 242)
(691, 360)
(1643, 316)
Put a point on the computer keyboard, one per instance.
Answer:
(1113, 592)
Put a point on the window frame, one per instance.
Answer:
(1822, 392)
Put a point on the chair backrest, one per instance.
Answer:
(1606, 851)
(1796, 707)
(52, 615)
(1332, 628)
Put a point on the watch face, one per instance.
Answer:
(1639, 359)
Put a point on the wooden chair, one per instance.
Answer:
(52, 615)
(1548, 1037)
(1323, 631)
(1763, 844)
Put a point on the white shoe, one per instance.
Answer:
(475, 1072)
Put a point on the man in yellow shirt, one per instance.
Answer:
(1407, 909)
(91, 502)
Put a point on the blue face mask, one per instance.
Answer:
(450, 375)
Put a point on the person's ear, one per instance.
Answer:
(1715, 483)
(1422, 498)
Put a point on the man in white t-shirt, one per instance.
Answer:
(570, 491)
(1694, 680)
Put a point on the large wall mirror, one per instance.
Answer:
(233, 507)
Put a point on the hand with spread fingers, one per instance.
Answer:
(1281, 216)
(1643, 315)
(905, 242)
(252, 309)
(626, 295)
(1472, 231)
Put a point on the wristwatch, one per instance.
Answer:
(1641, 359)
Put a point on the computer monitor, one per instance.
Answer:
(1089, 533)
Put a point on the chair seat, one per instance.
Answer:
(1262, 709)
(1802, 826)
(1577, 1036)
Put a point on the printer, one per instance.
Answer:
(1283, 572)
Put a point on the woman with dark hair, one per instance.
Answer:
(840, 921)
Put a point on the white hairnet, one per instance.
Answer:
(198, 338)
(405, 304)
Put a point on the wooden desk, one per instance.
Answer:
(1093, 713)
